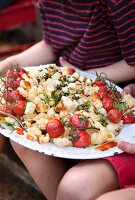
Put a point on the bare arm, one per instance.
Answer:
(40, 53)
(119, 72)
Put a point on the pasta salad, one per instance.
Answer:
(59, 105)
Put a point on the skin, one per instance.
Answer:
(63, 179)
(124, 194)
(113, 71)
(125, 146)
(59, 178)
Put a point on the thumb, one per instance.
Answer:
(127, 147)
(127, 89)
(130, 89)
(65, 63)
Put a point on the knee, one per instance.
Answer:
(71, 188)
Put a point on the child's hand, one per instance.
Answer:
(127, 147)
(65, 63)
(6, 64)
(130, 89)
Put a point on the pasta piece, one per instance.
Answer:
(62, 142)
(44, 138)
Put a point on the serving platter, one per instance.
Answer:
(126, 134)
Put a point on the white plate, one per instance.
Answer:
(126, 134)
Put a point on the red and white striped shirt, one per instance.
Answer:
(90, 33)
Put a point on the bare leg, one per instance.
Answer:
(87, 181)
(47, 171)
(2, 142)
(124, 194)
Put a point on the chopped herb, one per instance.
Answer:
(56, 98)
(120, 105)
(83, 118)
(46, 99)
(10, 126)
(98, 112)
(76, 97)
(66, 93)
(87, 106)
(45, 76)
(103, 121)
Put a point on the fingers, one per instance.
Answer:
(130, 89)
(127, 147)
(4, 66)
(65, 63)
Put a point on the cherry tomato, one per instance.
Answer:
(102, 94)
(113, 93)
(21, 71)
(15, 73)
(2, 108)
(54, 128)
(102, 88)
(128, 118)
(19, 107)
(107, 103)
(7, 95)
(10, 82)
(79, 121)
(114, 115)
(7, 108)
(83, 139)
(17, 82)
(15, 95)
(133, 122)
(71, 70)
(99, 83)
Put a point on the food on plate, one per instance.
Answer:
(59, 105)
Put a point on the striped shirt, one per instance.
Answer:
(90, 33)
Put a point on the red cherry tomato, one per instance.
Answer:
(7, 95)
(102, 94)
(107, 103)
(71, 70)
(114, 94)
(17, 82)
(83, 139)
(114, 115)
(99, 83)
(19, 107)
(7, 108)
(128, 118)
(15, 73)
(2, 108)
(102, 88)
(54, 128)
(79, 121)
(15, 95)
(21, 71)
(10, 82)
(133, 122)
